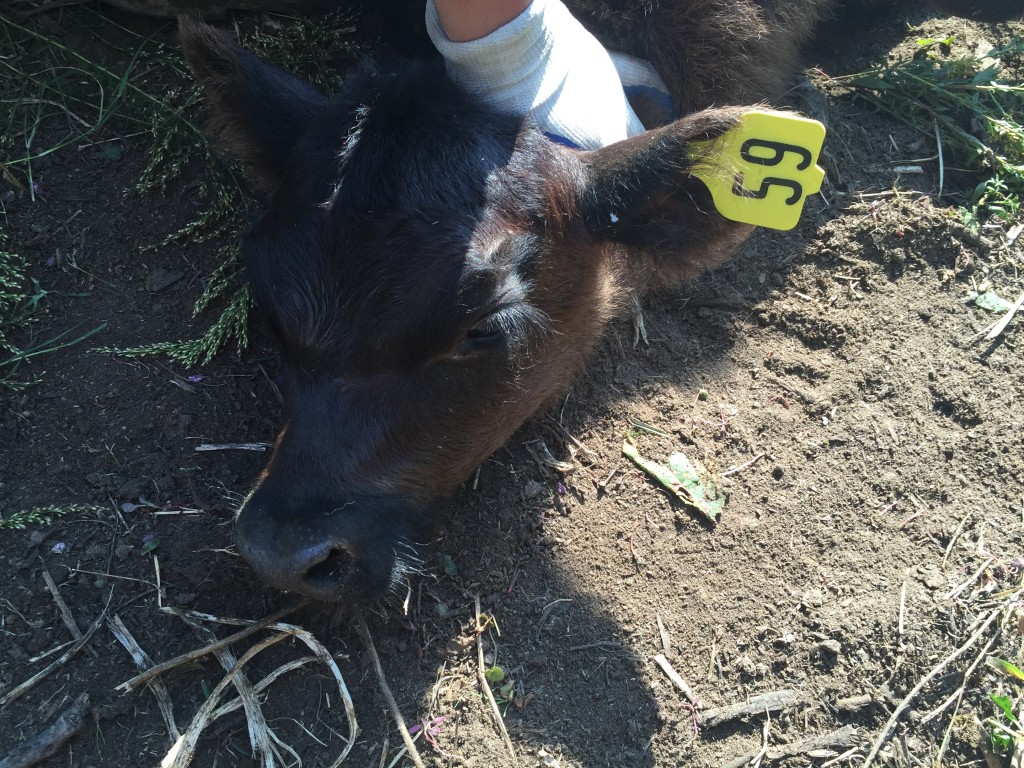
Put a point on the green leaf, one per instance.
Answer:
(149, 546)
(874, 83)
(687, 481)
(449, 566)
(110, 151)
(1006, 668)
(494, 675)
(987, 75)
(1002, 743)
(1005, 703)
(993, 302)
(702, 486)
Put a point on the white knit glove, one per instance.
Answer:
(545, 63)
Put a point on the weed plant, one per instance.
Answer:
(976, 113)
(13, 296)
(44, 515)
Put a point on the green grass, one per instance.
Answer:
(976, 113)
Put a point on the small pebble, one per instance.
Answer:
(532, 490)
(830, 647)
(854, 703)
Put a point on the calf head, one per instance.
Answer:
(433, 273)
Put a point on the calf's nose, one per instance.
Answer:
(327, 551)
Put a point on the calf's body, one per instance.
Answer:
(435, 273)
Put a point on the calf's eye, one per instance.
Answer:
(486, 334)
(484, 331)
(511, 326)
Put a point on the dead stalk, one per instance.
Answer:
(396, 713)
(482, 678)
(890, 726)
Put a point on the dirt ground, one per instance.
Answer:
(871, 447)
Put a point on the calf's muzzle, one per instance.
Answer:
(343, 551)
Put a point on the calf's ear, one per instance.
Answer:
(258, 110)
(640, 193)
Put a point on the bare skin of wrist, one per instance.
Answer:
(465, 20)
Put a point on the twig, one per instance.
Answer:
(321, 654)
(844, 737)
(234, 447)
(854, 703)
(744, 465)
(758, 705)
(598, 644)
(548, 610)
(959, 692)
(396, 713)
(47, 743)
(482, 679)
(263, 684)
(401, 752)
(666, 642)
(977, 574)
(841, 758)
(942, 165)
(765, 732)
(953, 540)
(903, 606)
(959, 700)
(180, 754)
(677, 679)
(571, 440)
(890, 726)
(10, 177)
(1005, 320)
(55, 649)
(43, 673)
(143, 661)
(65, 612)
(199, 653)
(260, 734)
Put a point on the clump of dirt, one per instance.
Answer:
(868, 440)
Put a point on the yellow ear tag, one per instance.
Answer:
(763, 170)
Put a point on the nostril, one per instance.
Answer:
(331, 570)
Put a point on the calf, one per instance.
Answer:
(435, 273)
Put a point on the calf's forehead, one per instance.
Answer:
(398, 197)
(337, 280)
